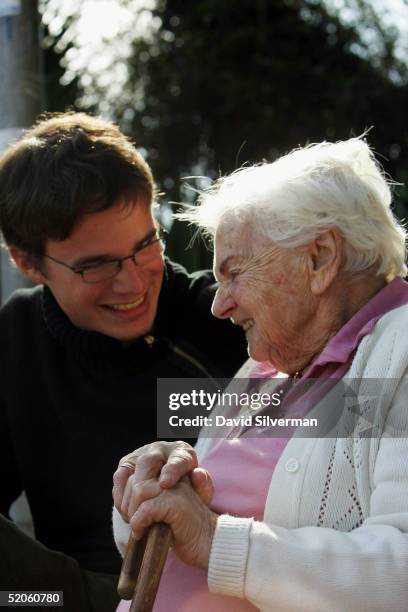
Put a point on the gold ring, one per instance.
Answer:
(128, 465)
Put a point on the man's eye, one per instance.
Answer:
(233, 274)
(94, 266)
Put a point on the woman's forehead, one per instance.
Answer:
(237, 243)
(234, 232)
(240, 237)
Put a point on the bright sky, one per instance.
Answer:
(101, 33)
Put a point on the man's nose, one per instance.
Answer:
(223, 304)
(130, 277)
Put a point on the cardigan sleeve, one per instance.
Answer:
(317, 569)
(121, 532)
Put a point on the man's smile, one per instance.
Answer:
(127, 305)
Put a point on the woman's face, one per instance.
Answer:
(264, 289)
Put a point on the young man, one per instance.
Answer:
(81, 352)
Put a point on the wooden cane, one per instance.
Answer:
(142, 567)
(131, 566)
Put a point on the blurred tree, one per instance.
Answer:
(217, 84)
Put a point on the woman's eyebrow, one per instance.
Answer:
(224, 265)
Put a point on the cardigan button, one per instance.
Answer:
(292, 465)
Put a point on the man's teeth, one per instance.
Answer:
(248, 324)
(127, 306)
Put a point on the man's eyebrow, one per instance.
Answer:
(103, 257)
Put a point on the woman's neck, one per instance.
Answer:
(334, 309)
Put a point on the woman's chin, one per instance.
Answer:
(257, 353)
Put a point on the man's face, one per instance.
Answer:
(123, 307)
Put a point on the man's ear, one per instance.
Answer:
(325, 259)
(26, 264)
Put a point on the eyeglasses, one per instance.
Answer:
(148, 250)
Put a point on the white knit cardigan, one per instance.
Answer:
(334, 535)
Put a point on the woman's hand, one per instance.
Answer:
(164, 462)
(192, 523)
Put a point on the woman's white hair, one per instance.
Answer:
(299, 196)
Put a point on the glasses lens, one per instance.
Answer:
(149, 252)
(101, 272)
(109, 269)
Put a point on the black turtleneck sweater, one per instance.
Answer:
(73, 402)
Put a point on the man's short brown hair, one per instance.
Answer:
(66, 166)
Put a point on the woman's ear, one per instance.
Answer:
(325, 258)
(26, 264)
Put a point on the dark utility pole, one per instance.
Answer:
(21, 90)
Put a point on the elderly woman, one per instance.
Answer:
(309, 260)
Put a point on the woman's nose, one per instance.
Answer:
(223, 304)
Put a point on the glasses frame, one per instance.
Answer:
(161, 236)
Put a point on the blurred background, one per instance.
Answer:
(205, 86)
